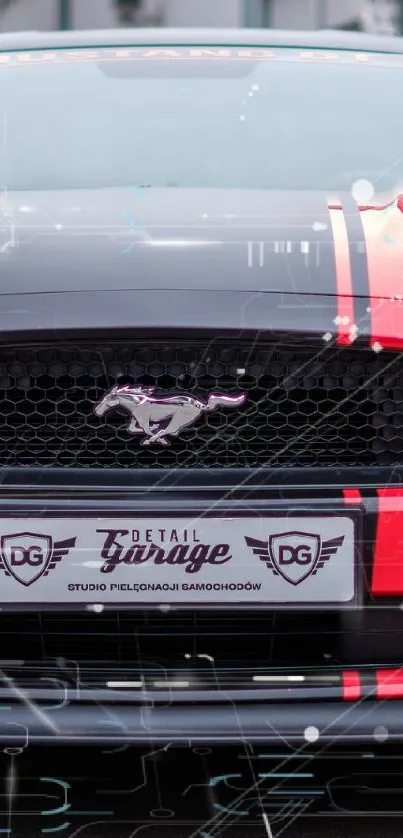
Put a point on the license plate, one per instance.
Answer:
(272, 559)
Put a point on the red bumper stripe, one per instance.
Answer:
(344, 285)
(352, 495)
(351, 683)
(387, 574)
(389, 683)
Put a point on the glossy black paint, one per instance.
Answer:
(56, 315)
(65, 283)
(183, 239)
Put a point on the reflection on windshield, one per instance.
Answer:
(283, 125)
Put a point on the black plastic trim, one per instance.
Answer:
(26, 481)
(233, 723)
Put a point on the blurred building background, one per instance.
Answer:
(371, 15)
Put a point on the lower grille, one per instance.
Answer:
(305, 407)
(213, 645)
(159, 641)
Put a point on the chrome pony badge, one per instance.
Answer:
(295, 555)
(160, 416)
(29, 555)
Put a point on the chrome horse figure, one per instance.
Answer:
(160, 416)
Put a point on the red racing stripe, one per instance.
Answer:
(389, 683)
(383, 232)
(344, 285)
(351, 683)
(387, 573)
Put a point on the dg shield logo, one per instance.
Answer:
(27, 555)
(294, 554)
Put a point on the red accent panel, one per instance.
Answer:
(352, 496)
(387, 574)
(344, 285)
(351, 685)
(389, 683)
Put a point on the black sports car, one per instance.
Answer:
(201, 386)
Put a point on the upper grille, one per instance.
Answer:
(306, 407)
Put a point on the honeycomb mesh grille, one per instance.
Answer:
(332, 407)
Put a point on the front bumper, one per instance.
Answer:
(216, 724)
(65, 646)
(136, 494)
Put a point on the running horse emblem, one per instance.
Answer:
(160, 416)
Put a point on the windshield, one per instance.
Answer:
(252, 121)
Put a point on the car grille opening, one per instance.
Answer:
(305, 406)
(216, 644)
(211, 649)
(212, 643)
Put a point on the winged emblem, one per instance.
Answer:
(295, 555)
(60, 549)
(27, 556)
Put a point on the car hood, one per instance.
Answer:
(179, 239)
